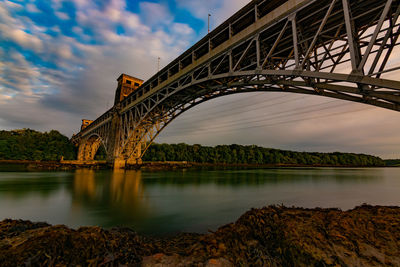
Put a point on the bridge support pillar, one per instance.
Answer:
(81, 151)
(113, 159)
(135, 158)
(134, 161)
(119, 164)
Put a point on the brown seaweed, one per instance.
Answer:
(271, 236)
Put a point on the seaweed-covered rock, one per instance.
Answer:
(51, 245)
(271, 236)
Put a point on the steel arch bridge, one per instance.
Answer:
(344, 49)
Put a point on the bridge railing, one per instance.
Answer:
(236, 24)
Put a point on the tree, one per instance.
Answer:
(237, 154)
(28, 144)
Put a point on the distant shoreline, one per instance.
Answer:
(70, 165)
(177, 165)
(48, 165)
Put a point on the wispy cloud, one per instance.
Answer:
(74, 70)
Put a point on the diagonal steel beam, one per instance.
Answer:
(328, 13)
(375, 35)
(350, 35)
(275, 44)
(295, 40)
(243, 54)
(383, 44)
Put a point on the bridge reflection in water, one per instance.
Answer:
(115, 196)
(167, 202)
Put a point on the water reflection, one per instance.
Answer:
(256, 177)
(165, 202)
(117, 197)
(84, 185)
(126, 188)
(20, 184)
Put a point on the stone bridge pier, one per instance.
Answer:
(88, 148)
(109, 136)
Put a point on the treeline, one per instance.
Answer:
(392, 162)
(238, 154)
(28, 144)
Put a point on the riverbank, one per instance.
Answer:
(35, 165)
(170, 165)
(153, 166)
(272, 236)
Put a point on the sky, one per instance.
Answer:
(59, 61)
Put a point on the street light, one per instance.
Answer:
(209, 15)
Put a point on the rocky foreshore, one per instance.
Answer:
(271, 236)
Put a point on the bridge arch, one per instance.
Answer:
(89, 146)
(161, 114)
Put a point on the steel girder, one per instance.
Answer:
(333, 48)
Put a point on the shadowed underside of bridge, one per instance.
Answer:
(344, 49)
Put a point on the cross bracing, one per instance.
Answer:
(344, 49)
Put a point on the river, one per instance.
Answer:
(167, 202)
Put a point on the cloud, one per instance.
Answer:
(56, 4)
(12, 5)
(201, 9)
(22, 38)
(220, 10)
(62, 15)
(32, 8)
(18, 74)
(155, 14)
(74, 77)
(182, 29)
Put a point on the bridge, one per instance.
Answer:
(344, 49)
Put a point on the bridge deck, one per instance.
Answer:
(254, 17)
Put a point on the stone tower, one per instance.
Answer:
(126, 85)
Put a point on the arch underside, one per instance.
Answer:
(156, 119)
(322, 59)
(89, 146)
(334, 48)
(302, 54)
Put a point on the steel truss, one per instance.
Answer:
(333, 48)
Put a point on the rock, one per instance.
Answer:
(162, 260)
(221, 262)
(271, 236)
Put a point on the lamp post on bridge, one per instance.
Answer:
(209, 15)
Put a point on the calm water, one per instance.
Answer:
(185, 201)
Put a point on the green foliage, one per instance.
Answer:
(238, 154)
(101, 153)
(389, 162)
(28, 144)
